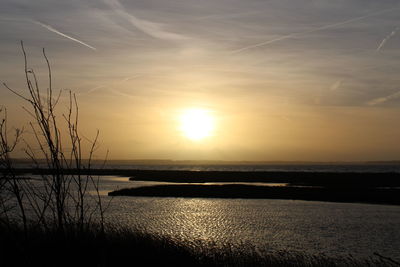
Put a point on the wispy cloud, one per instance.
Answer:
(50, 28)
(152, 29)
(336, 85)
(381, 100)
(298, 34)
(9, 19)
(111, 85)
(387, 38)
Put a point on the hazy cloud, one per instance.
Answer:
(152, 29)
(336, 85)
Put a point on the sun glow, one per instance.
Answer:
(196, 124)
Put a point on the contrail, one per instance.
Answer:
(48, 27)
(383, 99)
(387, 39)
(310, 31)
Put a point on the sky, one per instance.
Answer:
(308, 80)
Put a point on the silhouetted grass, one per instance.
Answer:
(119, 246)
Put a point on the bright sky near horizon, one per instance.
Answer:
(301, 80)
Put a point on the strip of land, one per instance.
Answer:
(377, 188)
(371, 195)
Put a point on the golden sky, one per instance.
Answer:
(313, 80)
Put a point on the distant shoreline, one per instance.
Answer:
(307, 178)
(157, 162)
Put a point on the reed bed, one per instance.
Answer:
(122, 246)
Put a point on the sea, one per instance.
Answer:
(194, 165)
(333, 229)
(263, 225)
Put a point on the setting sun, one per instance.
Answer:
(196, 124)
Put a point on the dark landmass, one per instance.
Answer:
(298, 178)
(367, 195)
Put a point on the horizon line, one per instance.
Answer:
(394, 161)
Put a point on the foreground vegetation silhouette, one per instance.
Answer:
(119, 246)
(59, 198)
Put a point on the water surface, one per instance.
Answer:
(305, 226)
